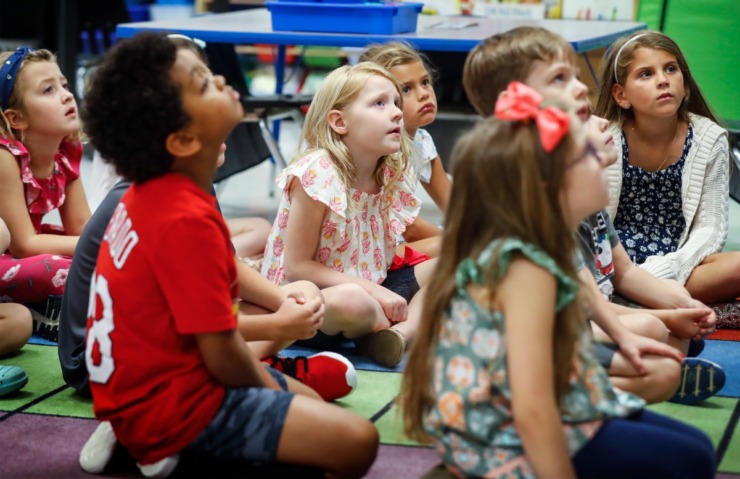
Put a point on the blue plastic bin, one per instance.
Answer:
(138, 13)
(377, 18)
(331, 1)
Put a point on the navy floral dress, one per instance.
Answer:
(649, 218)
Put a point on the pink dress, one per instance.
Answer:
(33, 279)
(359, 230)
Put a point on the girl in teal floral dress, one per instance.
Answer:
(502, 377)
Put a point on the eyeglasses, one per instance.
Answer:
(197, 41)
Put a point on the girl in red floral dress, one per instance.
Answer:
(40, 155)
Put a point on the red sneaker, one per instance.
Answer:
(329, 374)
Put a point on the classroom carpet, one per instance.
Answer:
(43, 426)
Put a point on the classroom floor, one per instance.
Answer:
(43, 427)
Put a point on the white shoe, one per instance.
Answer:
(161, 468)
(99, 448)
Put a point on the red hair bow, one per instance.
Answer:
(520, 102)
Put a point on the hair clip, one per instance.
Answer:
(197, 41)
(521, 103)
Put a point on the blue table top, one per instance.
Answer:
(255, 26)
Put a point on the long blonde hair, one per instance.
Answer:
(337, 92)
(16, 96)
(505, 186)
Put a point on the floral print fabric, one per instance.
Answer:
(650, 218)
(359, 230)
(44, 195)
(472, 421)
(33, 279)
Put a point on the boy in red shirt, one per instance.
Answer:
(167, 366)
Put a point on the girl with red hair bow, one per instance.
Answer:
(502, 376)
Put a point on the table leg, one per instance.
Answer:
(279, 79)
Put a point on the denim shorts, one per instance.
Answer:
(402, 282)
(248, 424)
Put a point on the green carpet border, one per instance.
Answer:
(374, 398)
(713, 416)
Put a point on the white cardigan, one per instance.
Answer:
(705, 184)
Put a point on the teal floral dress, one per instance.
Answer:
(471, 421)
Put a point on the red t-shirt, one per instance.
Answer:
(165, 272)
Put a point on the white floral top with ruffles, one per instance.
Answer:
(359, 230)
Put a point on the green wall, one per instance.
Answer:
(708, 32)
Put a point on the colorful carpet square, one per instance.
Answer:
(54, 422)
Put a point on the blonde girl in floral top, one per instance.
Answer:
(502, 377)
(40, 157)
(347, 199)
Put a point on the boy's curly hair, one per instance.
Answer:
(133, 104)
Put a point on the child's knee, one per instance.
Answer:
(363, 439)
(732, 259)
(647, 325)
(16, 327)
(308, 289)
(351, 301)
(666, 374)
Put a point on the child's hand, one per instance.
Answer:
(709, 322)
(301, 321)
(634, 346)
(394, 306)
(298, 296)
(693, 322)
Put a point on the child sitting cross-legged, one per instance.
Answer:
(172, 374)
(40, 154)
(546, 62)
(347, 199)
(502, 377)
(270, 317)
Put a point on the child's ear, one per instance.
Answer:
(15, 119)
(182, 143)
(618, 95)
(336, 122)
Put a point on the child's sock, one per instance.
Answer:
(161, 468)
(98, 449)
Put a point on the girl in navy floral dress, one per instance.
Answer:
(669, 187)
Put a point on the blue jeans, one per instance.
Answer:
(646, 445)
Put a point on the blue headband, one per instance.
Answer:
(9, 73)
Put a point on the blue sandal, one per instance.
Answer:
(700, 380)
(12, 378)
